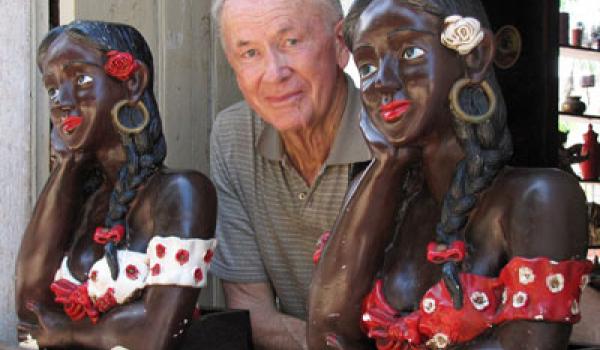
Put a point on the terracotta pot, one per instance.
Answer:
(573, 105)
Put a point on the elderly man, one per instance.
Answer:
(281, 160)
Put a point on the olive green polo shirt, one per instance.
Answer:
(269, 219)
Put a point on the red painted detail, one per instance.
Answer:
(533, 292)
(196, 314)
(94, 275)
(155, 270)
(160, 251)
(132, 272)
(320, 246)
(394, 110)
(103, 235)
(208, 256)
(182, 256)
(71, 123)
(381, 322)
(107, 301)
(198, 275)
(456, 252)
(75, 299)
(120, 65)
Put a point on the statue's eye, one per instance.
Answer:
(53, 94)
(413, 53)
(364, 70)
(84, 80)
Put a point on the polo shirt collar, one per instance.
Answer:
(349, 145)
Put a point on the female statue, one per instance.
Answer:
(118, 245)
(439, 243)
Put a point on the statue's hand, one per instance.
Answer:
(51, 329)
(384, 150)
(61, 155)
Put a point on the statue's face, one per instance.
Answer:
(286, 56)
(406, 73)
(81, 94)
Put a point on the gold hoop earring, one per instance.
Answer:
(460, 113)
(125, 129)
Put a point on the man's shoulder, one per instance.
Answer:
(237, 115)
(236, 123)
(234, 132)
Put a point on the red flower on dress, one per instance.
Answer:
(160, 250)
(182, 256)
(120, 65)
(198, 275)
(132, 272)
(155, 270)
(208, 256)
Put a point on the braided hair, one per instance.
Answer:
(146, 150)
(487, 146)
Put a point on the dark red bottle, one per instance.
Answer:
(589, 168)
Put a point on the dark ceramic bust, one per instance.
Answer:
(118, 245)
(437, 228)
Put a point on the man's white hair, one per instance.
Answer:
(335, 6)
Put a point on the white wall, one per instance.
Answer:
(16, 125)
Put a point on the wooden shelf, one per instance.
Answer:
(583, 53)
(590, 182)
(580, 116)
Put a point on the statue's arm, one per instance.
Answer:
(184, 207)
(354, 254)
(46, 237)
(547, 219)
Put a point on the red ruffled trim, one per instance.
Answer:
(75, 299)
(77, 303)
(527, 289)
(381, 322)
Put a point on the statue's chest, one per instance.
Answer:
(407, 273)
(83, 251)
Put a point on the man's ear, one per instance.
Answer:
(479, 60)
(136, 85)
(341, 51)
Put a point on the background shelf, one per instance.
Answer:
(583, 53)
(580, 116)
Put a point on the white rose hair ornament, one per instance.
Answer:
(463, 34)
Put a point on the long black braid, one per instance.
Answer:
(487, 146)
(145, 151)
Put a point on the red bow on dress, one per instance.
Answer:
(104, 235)
(456, 252)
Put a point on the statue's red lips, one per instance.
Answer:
(394, 110)
(71, 123)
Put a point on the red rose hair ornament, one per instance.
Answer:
(120, 65)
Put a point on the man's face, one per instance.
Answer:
(286, 55)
